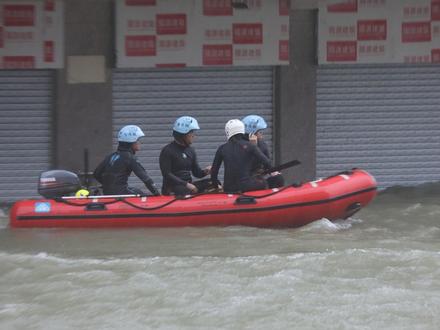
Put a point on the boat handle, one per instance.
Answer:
(243, 200)
(96, 207)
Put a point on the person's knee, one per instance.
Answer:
(181, 190)
(254, 185)
(275, 181)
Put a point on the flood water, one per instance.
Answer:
(377, 270)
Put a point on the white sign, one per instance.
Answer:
(31, 34)
(169, 33)
(379, 31)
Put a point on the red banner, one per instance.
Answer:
(19, 15)
(217, 8)
(344, 6)
(283, 7)
(341, 51)
(140, 2)
(18, 62)
(435, 55)
(247, 33)
(416, 31)
(49, 5)
(372, 29)
(171, 24)
(49, 51)
(435, 10)
(140, 45)
(170, 65)
(217, 54)
(283, 50)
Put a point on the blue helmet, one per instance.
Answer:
(253, 123)
(185, 124)
(130, 134)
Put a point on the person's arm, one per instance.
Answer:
(218, 159)
(99, 171)
(264, 148)
(261, 157)
(140, 172)
(165, 167)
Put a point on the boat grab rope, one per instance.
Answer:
(61, 200)
(274, 192)
(152, 208)
(180, 198)
(188, 197)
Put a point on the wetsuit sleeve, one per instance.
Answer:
(165, 167)
(264, 148)
(218, 159)
(261, 157)
(140, 172)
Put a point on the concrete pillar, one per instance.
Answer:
(83, 101)
(295, 99)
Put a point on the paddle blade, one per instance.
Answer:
(280, 167)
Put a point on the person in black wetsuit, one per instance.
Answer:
(178, 161)
(254, 126)
(114, 170)
(239, 156)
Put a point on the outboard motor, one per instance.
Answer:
(58, 183)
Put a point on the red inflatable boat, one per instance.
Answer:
(336, 197)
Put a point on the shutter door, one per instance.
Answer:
(25, 131)
(153, 99)
(383, 118)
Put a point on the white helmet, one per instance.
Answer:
(130, 134)
(234, 127)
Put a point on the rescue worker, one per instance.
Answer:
(178, 161)
(254, 126)
(114, 170)
(239, 156)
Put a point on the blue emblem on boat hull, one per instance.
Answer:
(42, 207)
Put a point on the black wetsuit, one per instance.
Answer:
(114, 170)
(238, 155)
(273, 181)
(177, 163)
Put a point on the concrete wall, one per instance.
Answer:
(295, 94)
(83, 111)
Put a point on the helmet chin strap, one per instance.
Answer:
(182, 141)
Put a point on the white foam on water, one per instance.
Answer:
(411, 209)
(325, 225)
(349, 288)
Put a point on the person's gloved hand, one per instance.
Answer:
(253, 138)
(143, 194)
(192, 188)
(207, 170)
(154, 190)
(152, 187)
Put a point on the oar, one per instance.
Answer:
(280, 167)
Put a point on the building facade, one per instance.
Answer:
(333, 117)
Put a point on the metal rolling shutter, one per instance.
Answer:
(383, 118)
(153, 99)
(25, 131)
